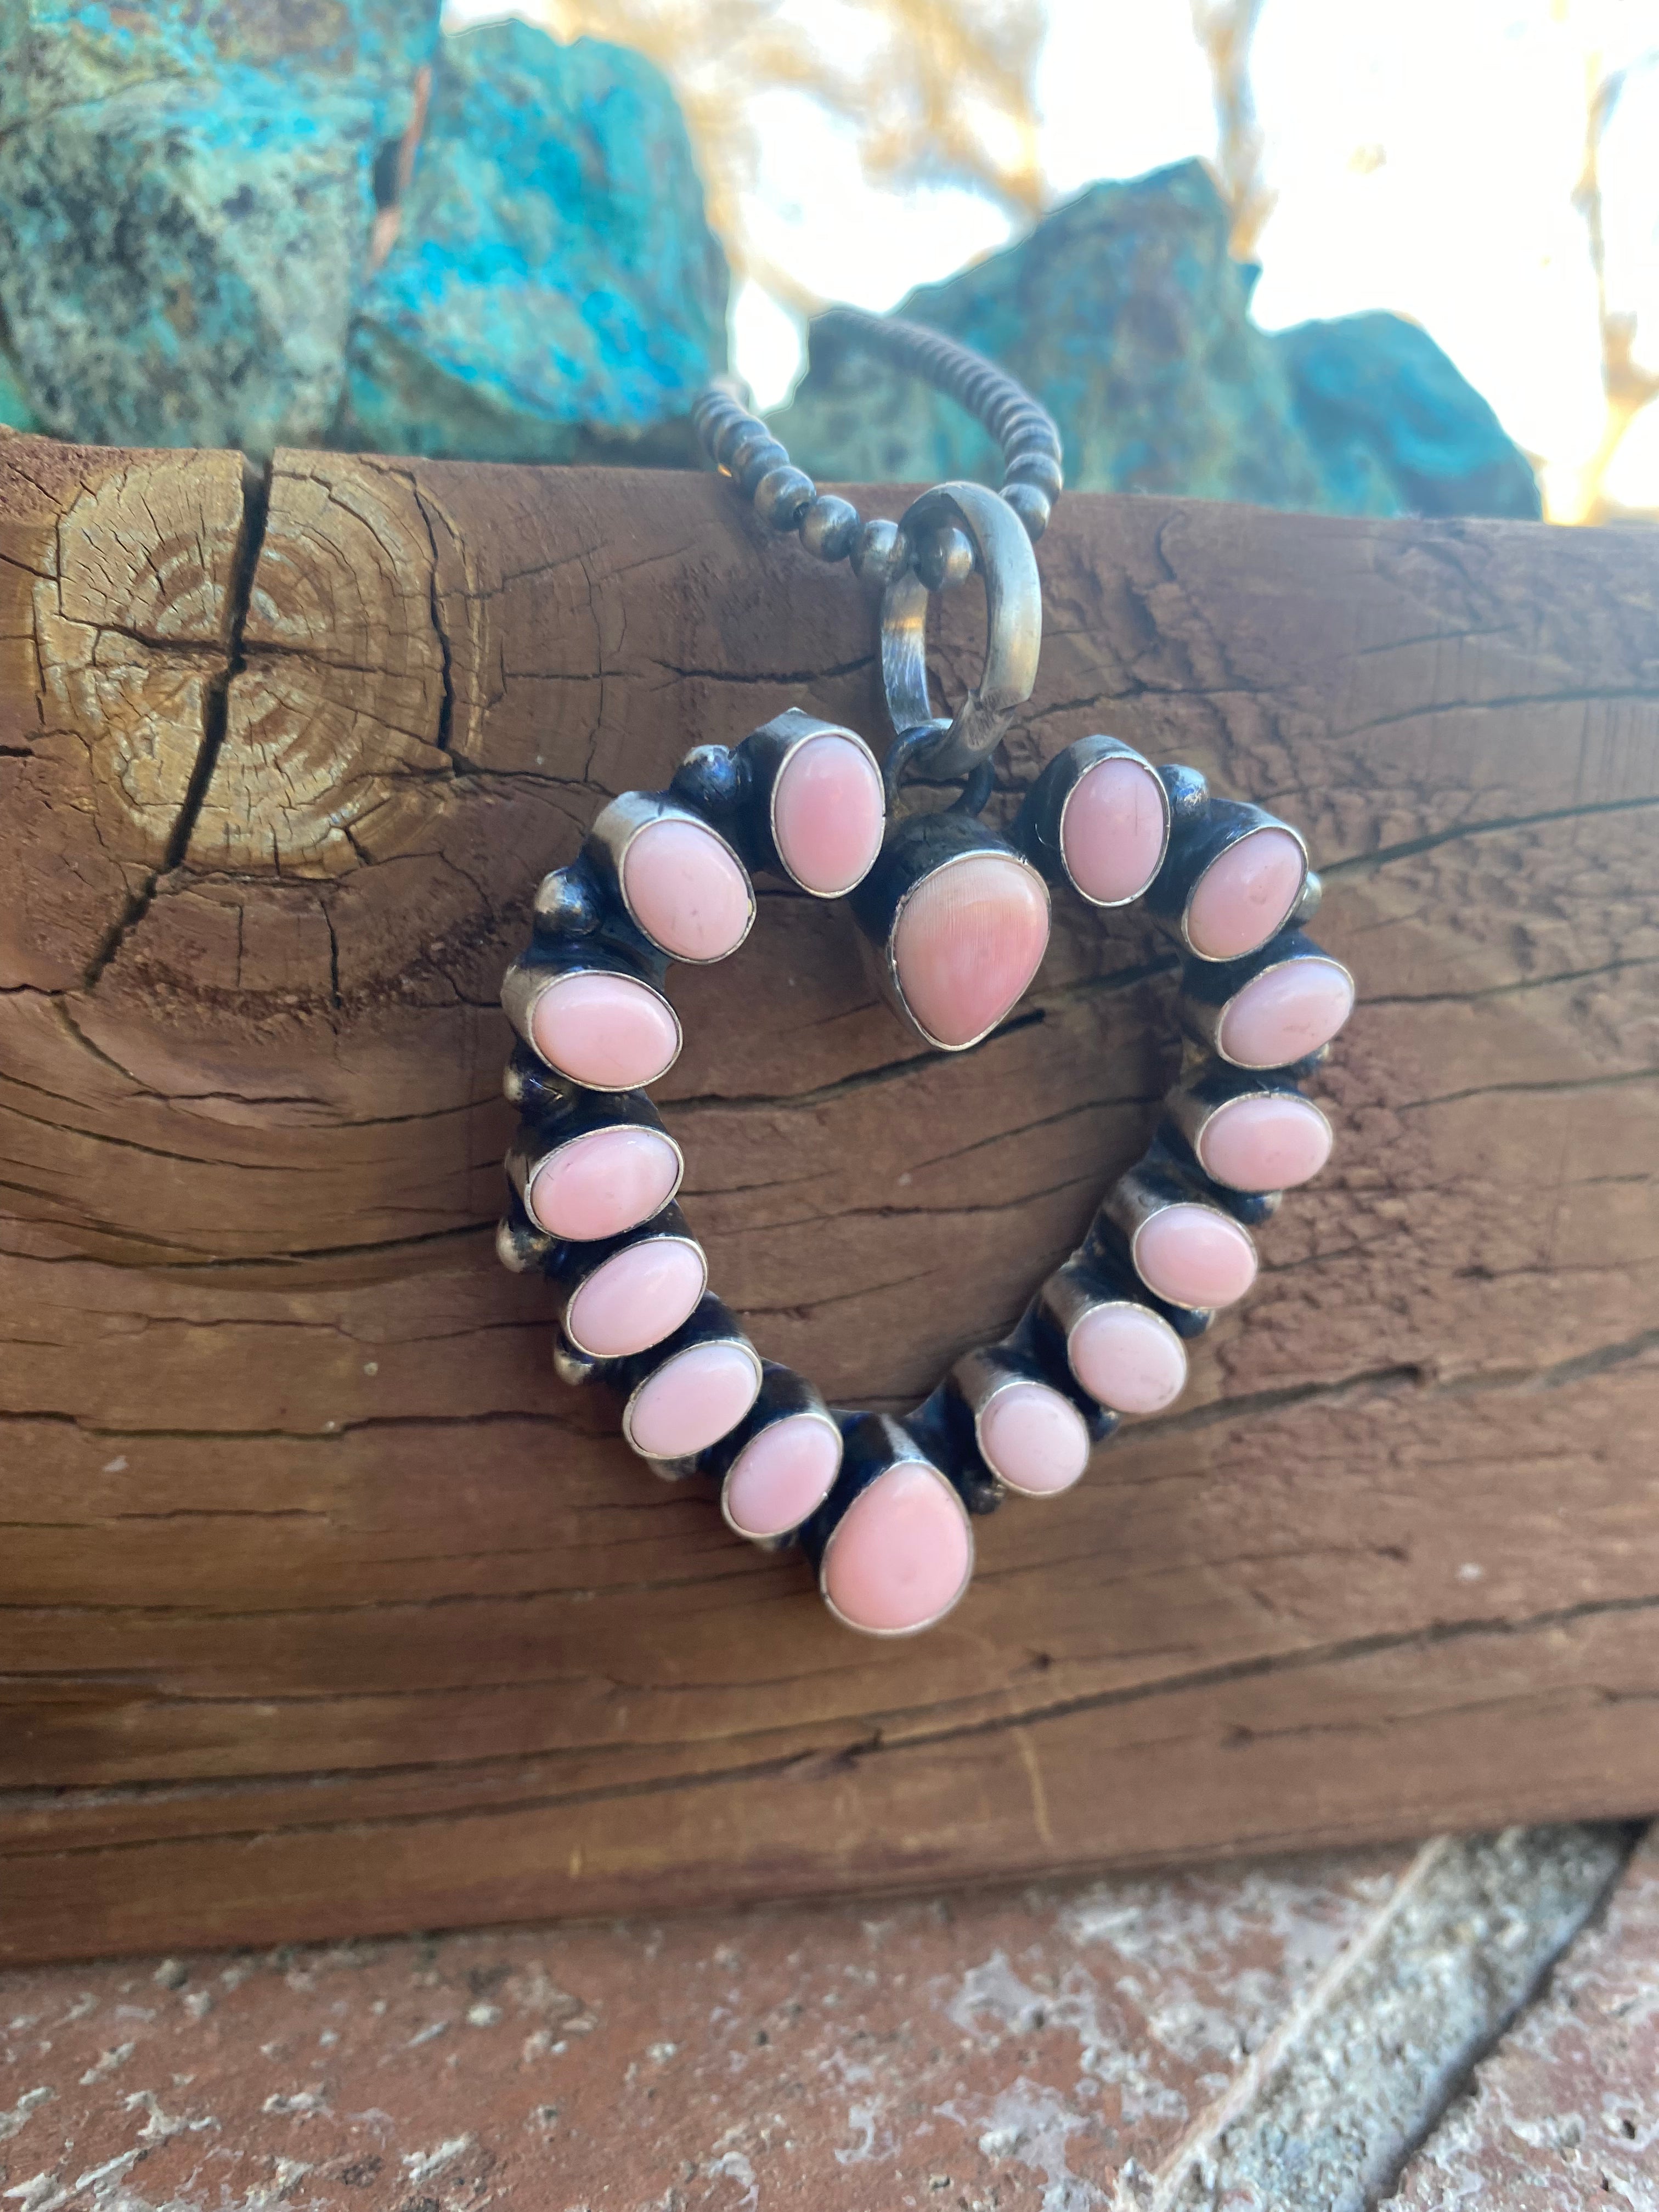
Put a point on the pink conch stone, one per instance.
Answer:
(636, 1298)
(602, 1184)
(779, 1477)
(1265, 1144)
(828, 814)
(686, 891)
(903, 1555)
(693, 1401)
(1128, 1358)
(1033, 1438)
(970, 938)
(607, 1032)
(1194, 1256)
(1245, 894)
(1287, 1013)
(1111, 834)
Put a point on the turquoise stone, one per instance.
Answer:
(554, 292)
(186, 195)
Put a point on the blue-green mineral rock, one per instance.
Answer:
(1125, 314)
(554, 292)
(1374, 395)
(197, 198)
(187, 192)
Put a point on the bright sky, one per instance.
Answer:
(1424, 153)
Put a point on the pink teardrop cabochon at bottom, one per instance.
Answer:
(903, 1555)
(602, 1184)
(1286, 1014)
(1245, 895)
(1194, 1256)
(1265, 1144)
(693, 1401)
(1128, 1358)
(606, 1031)
(828, 814)
(968, 939)
(1112, 830)
(637, 1298)
(1033, 1438)
(686, 890)
(782, 1475)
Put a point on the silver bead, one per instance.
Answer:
(829, 527)
(1031, 438)
(761, 460)
(880, 555)
(944, 558)
(1031, 505)
(740, 428)
(565, 903)
(782, 496)
(1041, 469)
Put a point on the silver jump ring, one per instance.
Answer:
(1013, 608)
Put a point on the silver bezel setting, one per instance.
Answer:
(1255, 830)
(1111, 906)
(615, 829)
(638, 1244)
(735, 1339)
(779, 1535)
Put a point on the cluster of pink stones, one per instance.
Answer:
(966, 944)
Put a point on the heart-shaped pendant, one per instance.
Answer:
(956, 917)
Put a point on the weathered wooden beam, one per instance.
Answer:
(326, 1608)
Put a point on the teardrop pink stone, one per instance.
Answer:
(686, 891)
(607, 1032)
(1112, 830)
(903, 1555)
(782, 1475)
(693, 1401)
(602, 1184)
(636, 1298)
(1127, 1358)
(1245, 894)
(1031, 1437)
(1194, 1255)
(1287, 1013)
(828, 814)
(1265, 1144)
(969, 940)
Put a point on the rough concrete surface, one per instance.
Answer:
(1565, 2113)
(1270, 2036)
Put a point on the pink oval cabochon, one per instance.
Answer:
(1194, 1256)
(693, 1401)
(598, 1185)
(782, 1475)
(1128, 1358)
(637, 1298)
(1265, 1144)
(1245, 894)
(1286, 1014)
(1033, 1438)
(828, 814)
(606, 1031)
(903, 1555)
(1112, 830)
(686, 890)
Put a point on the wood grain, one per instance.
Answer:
(327, 1610)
